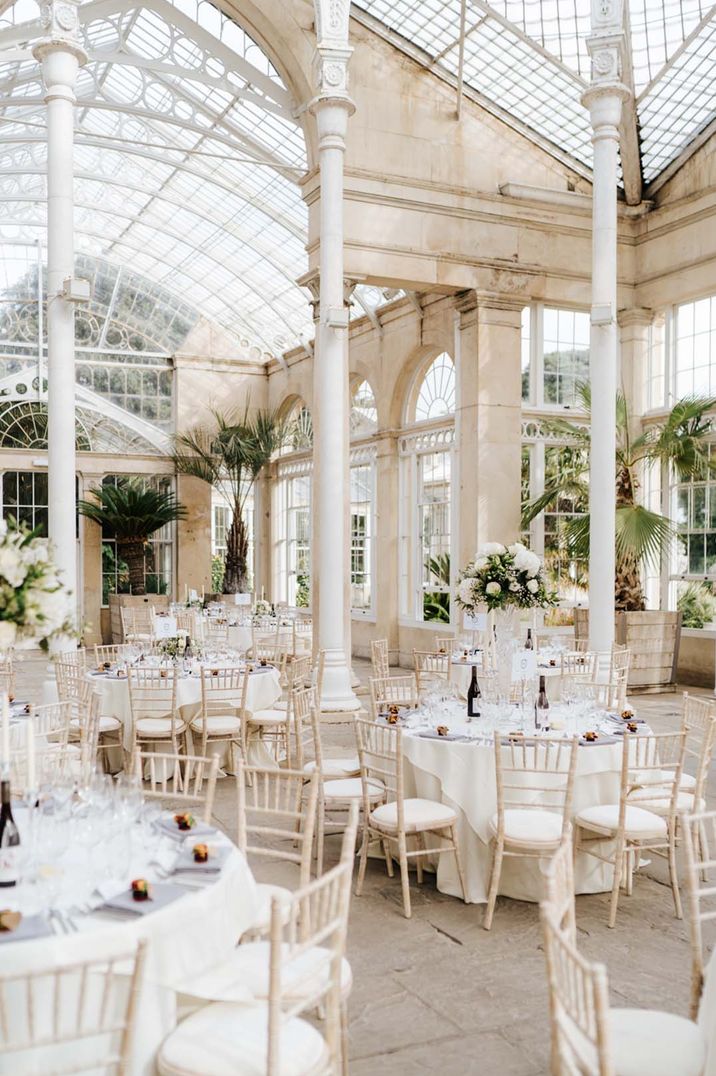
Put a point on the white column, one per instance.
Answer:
(330, 390)
(604, 101)
(61, 56)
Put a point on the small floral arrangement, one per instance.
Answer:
(262, 608)
(172, 646)
(503, 575)
(34, 605)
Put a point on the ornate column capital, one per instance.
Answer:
(635, 315)
(607, 48)
(61, 25)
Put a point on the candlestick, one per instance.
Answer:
(30, 732)
(186, 592)
(5, 730)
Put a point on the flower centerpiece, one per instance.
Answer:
(262, 608)
(502, 576)
(173, 646)
(34, 605)
(504, 579)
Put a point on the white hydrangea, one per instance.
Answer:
(464, 591)
(514, 587)
(490, 549)
(526, 561)
(480, 563)
(532, 586)
(13, 566)
(493, 589)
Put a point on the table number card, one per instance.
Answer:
(242, 599)
(165, 627)
(524, 665)
(474, 621)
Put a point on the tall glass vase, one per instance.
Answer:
(506, 623)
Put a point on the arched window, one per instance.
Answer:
(299, 429)
(436, 394)
(364, 413)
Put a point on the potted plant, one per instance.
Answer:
(679, 443)
(230, 454)
(131, 512)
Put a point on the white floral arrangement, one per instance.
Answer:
(503, 575)
(262, 608)
(34, 605)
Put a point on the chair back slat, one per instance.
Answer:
(380, 658)
(276, 815)
(386, 691)
(188, 780)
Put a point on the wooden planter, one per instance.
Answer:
(653, 638)
(125, 601)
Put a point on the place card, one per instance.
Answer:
(524, 665)
(474, 621)
(165, 627)
(242, 599)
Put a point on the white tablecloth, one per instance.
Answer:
(263, 691)
(462, 775)
(185, 940)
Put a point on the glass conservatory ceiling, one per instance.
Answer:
(188, 151)
(527, 61)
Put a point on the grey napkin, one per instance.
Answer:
(430, 735)
(603, 739)
(217, 857)
(31, 926)
(163, 893)
(168, 826)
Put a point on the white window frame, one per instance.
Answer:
(536, 397)
(366, 458)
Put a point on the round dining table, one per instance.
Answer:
(460, 772)
(196, 922)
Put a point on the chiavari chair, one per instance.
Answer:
(111, 654)
(430, 669)
(387, 691)
(591, 1039)
(152, 702)
(396, 818)
(186, 780)
(298, 675)
(276, 820)
(136, 624)
(644, 818)
(70, 1011)
(534, 779)
(379, 658)
(300, 969)
(223, 716)
(303, 754)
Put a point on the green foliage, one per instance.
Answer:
(131, 511)
(436, 604)
(217, 574)
(303, 590)
(697, 605)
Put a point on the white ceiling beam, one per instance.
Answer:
(370, 313)
(461, 57)
(686, 43)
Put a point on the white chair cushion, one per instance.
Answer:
(655, 1043)
(247, 968)
(155, 726)
(418, 815)
(351, 788)
(218, 724)
(530, 827)
(659, 800)
(269, 716)
(638, 823)
(226, 1039)
(336, 767)
(106, 724)
(687, 780)
(266, 893)
(282, 704)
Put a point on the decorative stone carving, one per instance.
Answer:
(60, 20)
(332, 21)
(504, 280)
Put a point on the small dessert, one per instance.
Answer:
(201, 853)
(627, 715)
(442, 730)
(263, 663)
(632, 726)
(11, 698)
(392, 715)
(515, 737)
(553, 663)
(162, 674)
(106, 665)
(591, 736)
(214, 672)
(140, 889)
(185, 821)
(9, 920)
(27, 708)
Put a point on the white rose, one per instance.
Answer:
(464, 591)
(8, 631)
(12, 565)
(532, 586)
(480, 563)
(491, 548)
(514, 587)
(493, 588)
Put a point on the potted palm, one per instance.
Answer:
(229, 454)
(680, 444)
(131, 512)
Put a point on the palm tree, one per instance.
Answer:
(230, 454)
(680, 443)
(131, 512)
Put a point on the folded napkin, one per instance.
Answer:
(162, 894)
(604, 738)
(430, 735)
(198, 831)
(30, 926)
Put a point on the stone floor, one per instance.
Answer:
(437, 993)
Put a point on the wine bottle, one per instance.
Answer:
(9, 839)
(541, 707)
(473, 695)
(529, 645)
(188, 652)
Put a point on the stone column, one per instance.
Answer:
(604, 100)
(489, 419)
(60, 56)
(332, 108)
(634, 338)
(387, 530)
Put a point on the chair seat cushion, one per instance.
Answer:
(336, 767)
(156, 726)
(282, 704)
(269, 716)
(247, 968)
(218, 724)
(658, 800)
(639, 824)
(351, 788)
(658, 1043)
(687, 781)
(226, 1039)
(418, 815)
(106, 724)
(530, 826)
